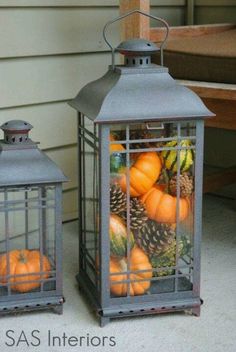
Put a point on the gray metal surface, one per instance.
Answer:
(30, 185)
(16, 132)
(16, 125)
(21, 162)
(136, 94)
(137, 47)
(28, 166)
(152, 307)
(104, 250)
(198, 207)
(32, 304)
(58, 239)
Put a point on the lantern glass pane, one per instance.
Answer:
(88, 198)
(152, 173)
(27, 239)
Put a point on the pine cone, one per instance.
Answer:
(117, 199)
(185, 184)
(139, 134)
(167, 258)
(138, 214)
(143, 134)
(155, 238)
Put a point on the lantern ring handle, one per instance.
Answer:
(129, 14)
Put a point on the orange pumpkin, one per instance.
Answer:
(161, 206)
(143, 174)
(138, 261)
(25, 263)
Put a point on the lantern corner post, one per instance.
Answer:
(59, 245)
(80, 190)
(198, 211)
(104, 201)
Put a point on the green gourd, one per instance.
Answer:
(119, 237)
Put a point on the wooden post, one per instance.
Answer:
(190, 12)
(135, 26)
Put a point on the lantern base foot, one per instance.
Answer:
(196, 311)
(104, 321)
(58, 310)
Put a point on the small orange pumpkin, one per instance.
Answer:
(25, 263)
(143, 174)
(161, 206)
(138, 261)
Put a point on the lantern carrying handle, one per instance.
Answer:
(129, 14)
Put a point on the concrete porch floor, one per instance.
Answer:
(214, 331)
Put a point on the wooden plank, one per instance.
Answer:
(156, 34)
(54, 124)
(44, 31)
(138, 26)
(225, 111)
(212, 90)
(135, 26)
(47, 79)
(219, 179)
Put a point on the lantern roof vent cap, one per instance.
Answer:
(16, 132)
(16, 125)
(137, 47)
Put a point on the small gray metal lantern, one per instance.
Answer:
(140, 187)
(30, 224)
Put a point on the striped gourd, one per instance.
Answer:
(119, 237)
(186, 159)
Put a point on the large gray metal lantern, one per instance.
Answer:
(140, 187)
(30, 224)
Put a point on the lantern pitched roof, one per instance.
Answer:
(130, 94)
(21, 162)
(27, 166)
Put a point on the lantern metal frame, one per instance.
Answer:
(136, 93)
(109, 307)
(37, 182)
